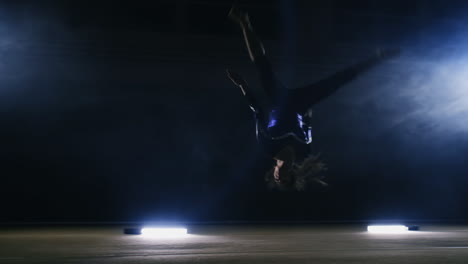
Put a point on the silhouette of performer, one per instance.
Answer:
(283, 117)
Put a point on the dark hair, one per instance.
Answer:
(287, 154)
(310, 169)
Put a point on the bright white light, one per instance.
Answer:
(164, 231)
(387, 229)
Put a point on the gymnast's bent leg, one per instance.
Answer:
(271, 85)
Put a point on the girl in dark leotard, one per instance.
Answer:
(283, 116)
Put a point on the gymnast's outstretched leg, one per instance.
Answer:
(306, 97)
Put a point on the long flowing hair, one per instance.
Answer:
(310, 170)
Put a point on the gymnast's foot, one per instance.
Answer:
(239, 16)
(387, 53)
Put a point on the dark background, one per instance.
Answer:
(121, 111)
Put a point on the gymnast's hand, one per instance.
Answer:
(236, 78)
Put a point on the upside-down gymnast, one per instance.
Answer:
(283, 116)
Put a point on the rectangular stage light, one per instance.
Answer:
(387, 229)
(164, 231)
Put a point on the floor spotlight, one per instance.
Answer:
(157, 231)
(164, 231)
(387, 229)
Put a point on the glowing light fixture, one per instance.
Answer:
(164, 231)
(387, 229)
